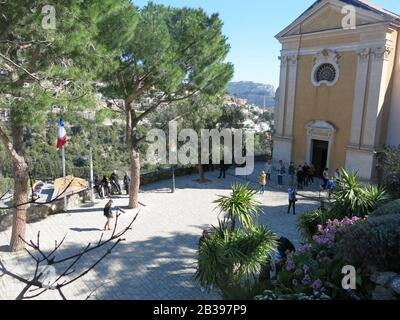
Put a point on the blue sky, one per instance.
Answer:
(251, 26)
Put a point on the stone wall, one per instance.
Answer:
(38, 212)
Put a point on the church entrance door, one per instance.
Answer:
(320, 155)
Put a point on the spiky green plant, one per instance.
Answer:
(350, 198)
(228, 260)
(239, 206)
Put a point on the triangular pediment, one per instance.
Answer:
(328, 15)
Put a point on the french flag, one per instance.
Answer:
(62, 135)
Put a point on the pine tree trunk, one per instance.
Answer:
(135, 181)
(20, 190)
(134, 156)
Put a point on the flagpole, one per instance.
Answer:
(64, 175)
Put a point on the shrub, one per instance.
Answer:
(309, 221)
(313, 269)
(392, 207)
(373, 245)
(230, 261)
(389, 163)
(352, 199)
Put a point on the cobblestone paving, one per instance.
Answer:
(157, 260)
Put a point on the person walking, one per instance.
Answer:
(292, 173)
(292, 199)
(306, 178)
(98, 187)
(281, 172)
(262, 180)
(325, 178)
(109, 215)
(311, 173)
(300, 178)
(115, 182)
(106, 186)
(127, 182)
(330, 184)
(268, 170)
(222, 170)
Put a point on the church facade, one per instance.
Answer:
(338, 102)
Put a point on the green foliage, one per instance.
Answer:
(392, 207)
(309, 221)
(352, 199)
(389, 163)
(6, 184)
(230, 261)
(372, 245)
(239, 206)
(232, 117)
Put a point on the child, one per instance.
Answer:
(262, 180)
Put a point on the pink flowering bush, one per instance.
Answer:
(313, 269)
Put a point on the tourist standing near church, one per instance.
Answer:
(281, 172)
(292, 199)
(268, 170)
(292, 173)
(127, 183)
(262, 180)
(300, 177)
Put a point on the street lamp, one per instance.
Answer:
(173, 149)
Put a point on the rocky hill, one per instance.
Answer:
(255, 93)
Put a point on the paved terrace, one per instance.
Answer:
(158, 258)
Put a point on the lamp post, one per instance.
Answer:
(173, 149)
(91, 174)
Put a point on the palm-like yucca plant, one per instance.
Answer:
(227, 260)
(352, 199)
(239, 206)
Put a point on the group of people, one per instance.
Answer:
(299, 177)
(110, 185)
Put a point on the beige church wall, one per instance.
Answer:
(329, 19)
(330, 41)
(333, 104)
(324, 20)
(393, 122)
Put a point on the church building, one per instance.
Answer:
(338, 102)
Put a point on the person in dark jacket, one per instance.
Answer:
(222, 169)
(292, 173)
(300, 178)
(115, 182)
(127, 182)
(109, 215)
(292, 200)
(98, 187)
(107, 186)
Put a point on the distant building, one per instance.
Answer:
(339, 99)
